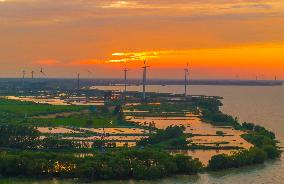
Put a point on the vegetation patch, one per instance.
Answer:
(172, 137)
(125, 164)
(265, 147)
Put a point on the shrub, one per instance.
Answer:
(272, 151)
(187, 165)
(219, 162)
(258, 155)
(238, 159)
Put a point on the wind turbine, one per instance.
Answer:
(144, 79)
(78, 81)
(32, 72)
(42, 72)
(186, 75)
(23, 74)
(125, 79)
(90, 73)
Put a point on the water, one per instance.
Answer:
(262, 105)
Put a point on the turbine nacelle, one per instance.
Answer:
(42, 72)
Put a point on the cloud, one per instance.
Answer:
(121, 4)
(57, 12)
(133, 56)
(86, 62)
(54, 62)
(257, 6)
(168, 56)
(162, 30)
(48, 62)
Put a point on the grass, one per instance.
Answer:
(77, 121)
(164, 109)
(18, 108)
(16, 112)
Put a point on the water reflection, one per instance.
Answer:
(57, 101)
(262, 105)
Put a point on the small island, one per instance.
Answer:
(91, 135)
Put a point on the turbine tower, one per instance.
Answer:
(125, 79)
(32, 72)
(42, 72)
(144, 80)
(186, 74)
(78, 81)
(24, 74)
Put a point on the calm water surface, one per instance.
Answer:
(261, 105)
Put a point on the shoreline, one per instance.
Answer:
(211, 113)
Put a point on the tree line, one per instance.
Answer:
(28, 137)
(173, 137)
(265, 147)
(123, 164)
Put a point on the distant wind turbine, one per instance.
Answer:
(186, 75)
(23, 74)
(125, 79)
(42, 72)
(78, 81)
(144, 79)
(32, 72)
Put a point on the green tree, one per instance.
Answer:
(187, 165)
(272, 151)
(219, 162)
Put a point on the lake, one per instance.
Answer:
(263, 105)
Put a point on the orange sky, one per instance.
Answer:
(219, 38)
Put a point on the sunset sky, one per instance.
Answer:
(218, 38)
